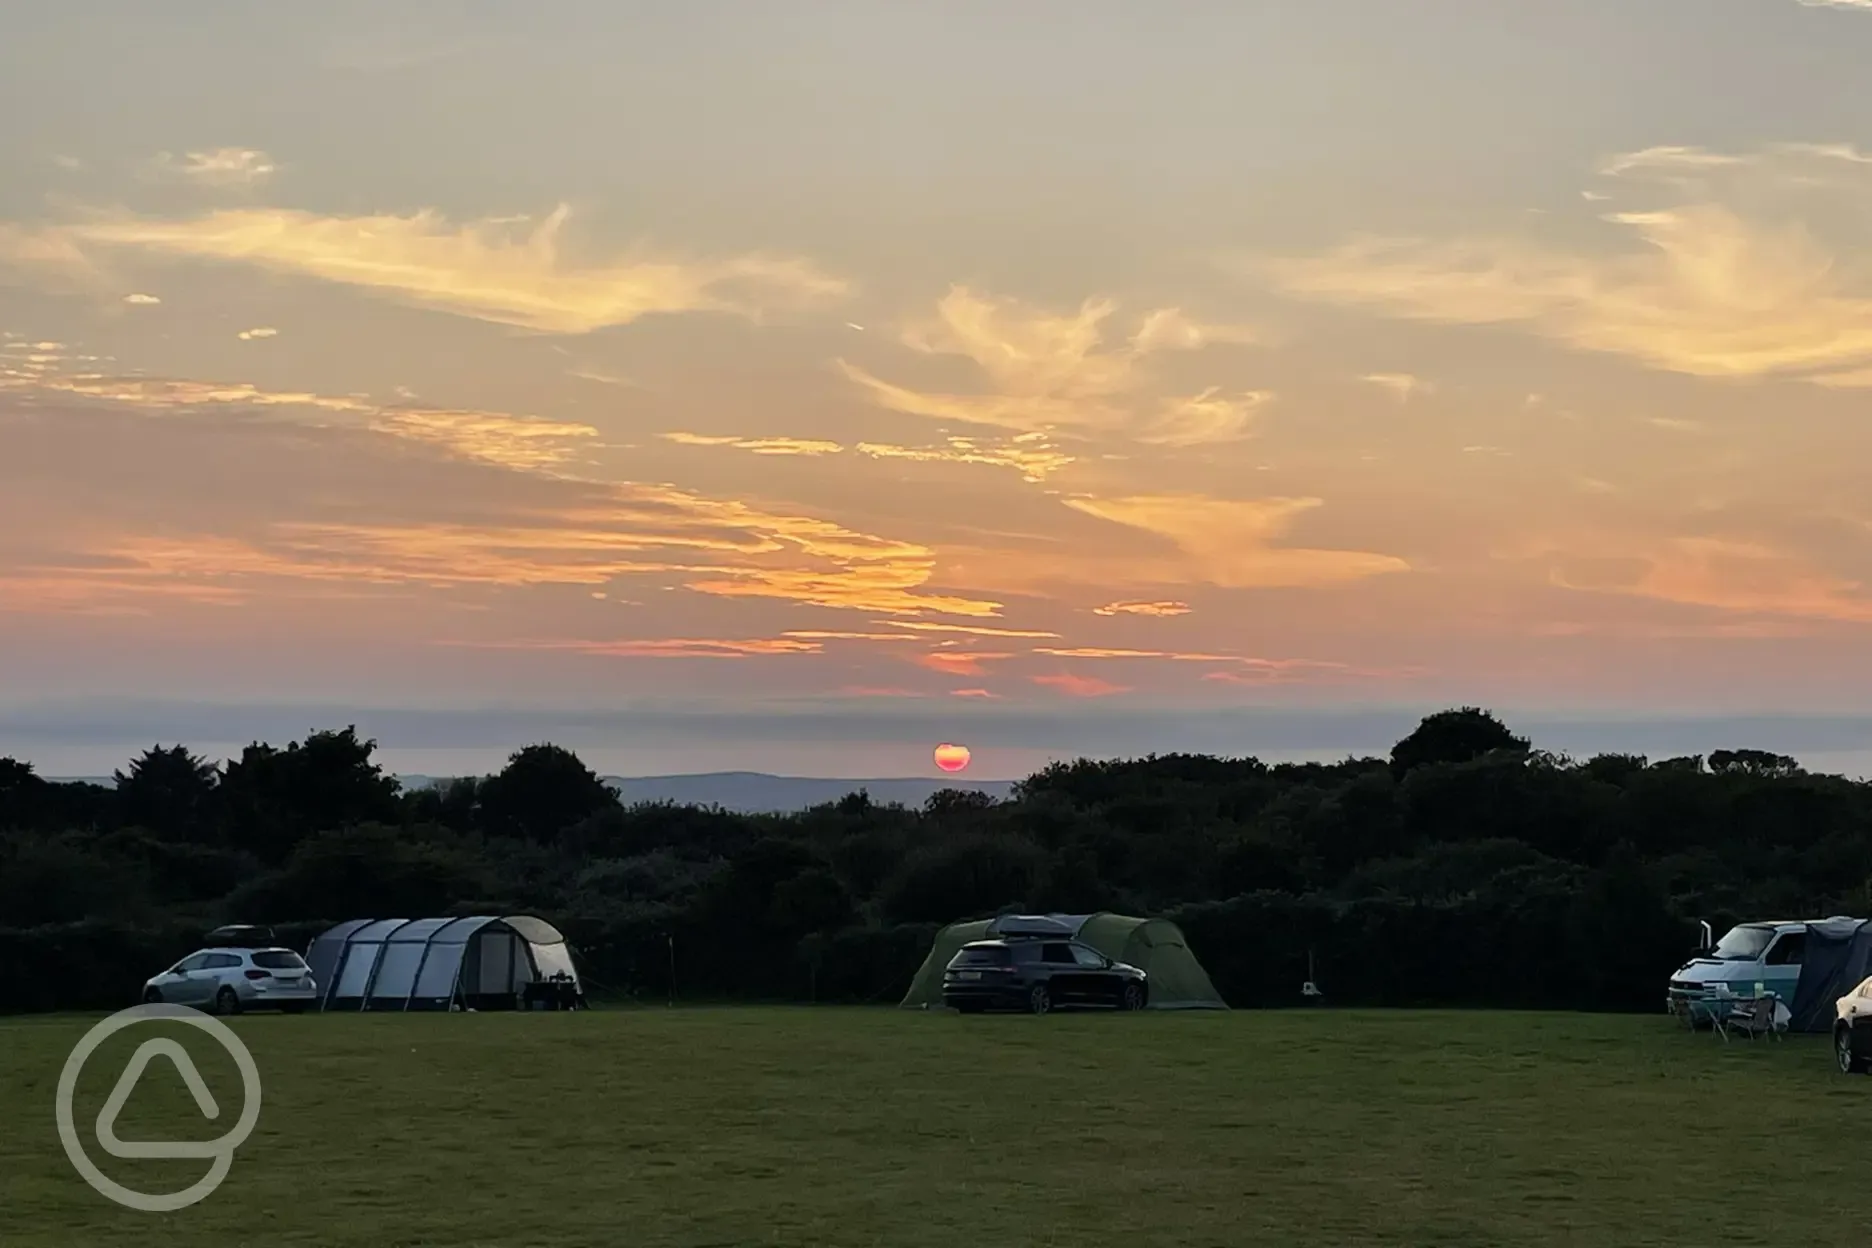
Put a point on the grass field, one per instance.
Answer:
(835, 1127)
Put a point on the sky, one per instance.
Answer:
(714, 386)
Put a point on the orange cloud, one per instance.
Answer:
(973, 693)
(958, 663)
(1080, 686)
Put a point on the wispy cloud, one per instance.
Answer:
(759, 446)
(217, 167)
(1049, 371)
(1080, 686)
(972, 630)
(514, 441)
(264, 331)
(1031, 455)
(142, 300)
(958, 662)
(1729, 278)
(1230, 542)
(1403, 386)
(1155, 608)
(675, 648)
(510, 271)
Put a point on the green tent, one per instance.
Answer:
(1154, 946)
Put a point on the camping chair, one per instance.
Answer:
(1753, 1016)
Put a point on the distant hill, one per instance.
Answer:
(748, 792)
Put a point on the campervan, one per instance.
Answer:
(1750, 959)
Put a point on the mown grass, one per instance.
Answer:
(836, 1127)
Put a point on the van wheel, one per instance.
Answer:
(1849, 1064)
(1040, 1001)
(1133, 997)
(227, 1002)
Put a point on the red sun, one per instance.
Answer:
(952, 757)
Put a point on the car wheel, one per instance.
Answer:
(1133, 998)
(1040, 1001)
(152, 995)
(227, 1001)
(1849, 1064)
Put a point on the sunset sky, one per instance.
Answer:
(793, 386)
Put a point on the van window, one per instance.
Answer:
(1788, 950)
(1061, 954)
(1743, 944)
(1087, 958)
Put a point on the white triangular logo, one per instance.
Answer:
(126, 1083)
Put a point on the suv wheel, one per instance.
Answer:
(1040, 1001)
(1843, 1052)
(1133, 997)
(227, 1001)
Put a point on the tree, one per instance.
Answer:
(1752, 763)
(22, 794)
(1454, 736)
(542, 791)
(169, 792)
(272, 799)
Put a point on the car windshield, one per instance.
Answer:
(1743, 944)
(278, 960)
(987, 955)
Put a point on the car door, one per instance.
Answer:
(1098, 981)
(183, 984)
(214, 973)
(1063, 978)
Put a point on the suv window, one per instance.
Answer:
(1787, 951)
(991, 955)
(278, 960)
(1061, 954)
(220, 961)
(1087, 957)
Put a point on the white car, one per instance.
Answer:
(229, 980)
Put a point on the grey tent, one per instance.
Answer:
(1836, 958)
(480, 962)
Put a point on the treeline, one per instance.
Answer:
(1466, 868)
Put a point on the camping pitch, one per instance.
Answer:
(1154, 946)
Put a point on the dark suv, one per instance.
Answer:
(1037, 975)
